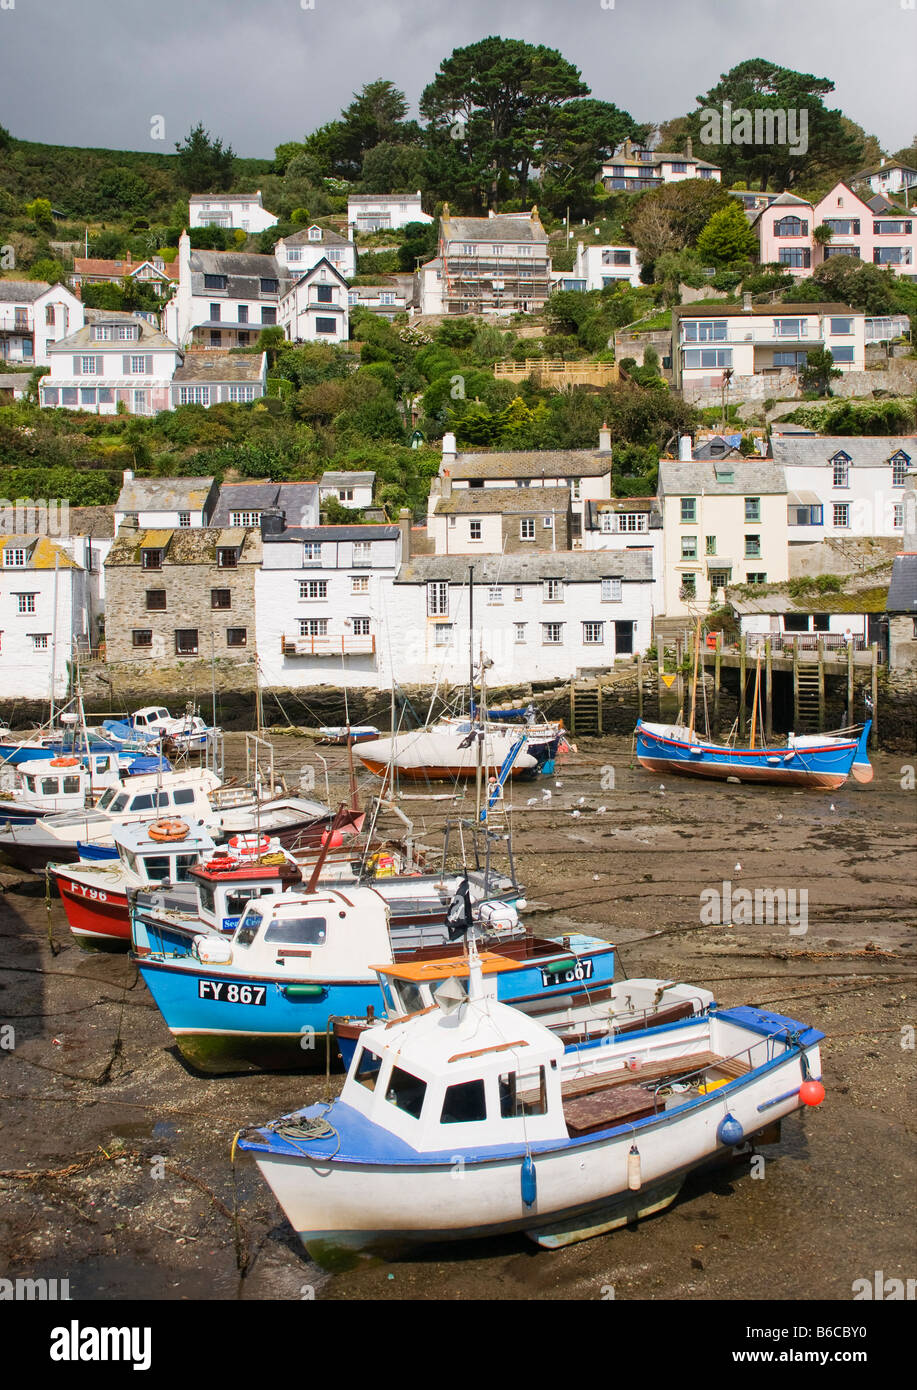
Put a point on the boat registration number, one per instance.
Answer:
(222, 992)
(581, 971)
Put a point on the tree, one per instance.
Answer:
(393, 168)
(581, 135)
(203, 164)
(672, 217)
(39, 210)
(375, 116)
(727, 239)
(489, 109)
(847, 280)
(761, 145)
(419, 244)
(818, 372)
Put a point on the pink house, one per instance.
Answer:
(785, 233)
(886, 238)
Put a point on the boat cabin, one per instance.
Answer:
(149, 793)
(226, 884)
(409, 987)
(152, 719)
(70, 782)
(156, 862)
(320, 934)
(474, 1074)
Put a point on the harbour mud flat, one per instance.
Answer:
(115, 1165)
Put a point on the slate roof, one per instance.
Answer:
(216, 366)
(902, 592)
(164, 495)
(243, 270)
(573, 566)
(296, 500)
(751, 478)
(347, 479)
(871, 451)
(499, 228)
(328, 238)
(536, 463)
(344, 533)
(150, 338)
(42, 553)
(868, 598)
(194, 545)
(22, 291)
(484, 501)
(227, 197)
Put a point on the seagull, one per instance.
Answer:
(780, 815)
(546, 795)
(582, 801)
(601, 811)
(737, 869)
(595, 878)
(833, 807)
(662, 786)
(558, 785)
(574, 813)
(532, 801)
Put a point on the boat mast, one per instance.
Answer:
(754, 703)
(694, 679)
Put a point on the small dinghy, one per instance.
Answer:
(561, 1143)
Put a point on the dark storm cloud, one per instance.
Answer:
(257, 72)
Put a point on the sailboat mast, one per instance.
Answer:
(754, 705)
(471, 641)
(694, 679)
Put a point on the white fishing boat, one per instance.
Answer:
(562, 1143)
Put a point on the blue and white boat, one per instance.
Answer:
(298, 959)
(562, 1143)
(809, 760)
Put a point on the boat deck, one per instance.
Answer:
(598, 1102)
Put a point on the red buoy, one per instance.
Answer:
(811, 1092)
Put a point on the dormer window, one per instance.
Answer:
(841, 466)
(315, 233)
(227, 557)
(269, 286)
(900, 464)
(151, 559)
(14, 558)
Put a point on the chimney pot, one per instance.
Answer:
(604, 438)
(689, 148)
(449, 446)
(405, 521)
(685, 454)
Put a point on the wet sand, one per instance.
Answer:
(115, 1158)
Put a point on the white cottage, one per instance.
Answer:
(44, 609)
(315, 310)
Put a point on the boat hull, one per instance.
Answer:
(94, 913)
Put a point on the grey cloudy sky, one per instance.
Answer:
(258, 72)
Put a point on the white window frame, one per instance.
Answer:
(359, 583)
(313, 590)
(612, 589)
(527, 528)
(442, 634)
(593, 641)
(437, 598)
(840, 515)
(547, 639)
(245, 519)
(313, 627)
(553, 590)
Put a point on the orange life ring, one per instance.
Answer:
(168, 830)
(64, 762)
(250, 844)
(333, 840)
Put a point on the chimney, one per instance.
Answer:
(490, 212)
(273, 522)
(909, 500)
(689, 148)
(746, 303)
(685, 454)
(604, 439)
(127, 476)
(449, 449)
(405, 520)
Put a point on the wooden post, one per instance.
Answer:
(598, 707)
(850, 645)
(639, 685)
(694, 679)
(742, 645)
(716, 681)
(795, 682)
(572, 708)
(821, 684)
(874, 731)
(768, 692)
(755, 697)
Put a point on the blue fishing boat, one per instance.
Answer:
(298, 959)
(810, 760)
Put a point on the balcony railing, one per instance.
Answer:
(338, 645)
(758, 336)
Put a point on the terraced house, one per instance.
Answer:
(180, 594)
(44, 609)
